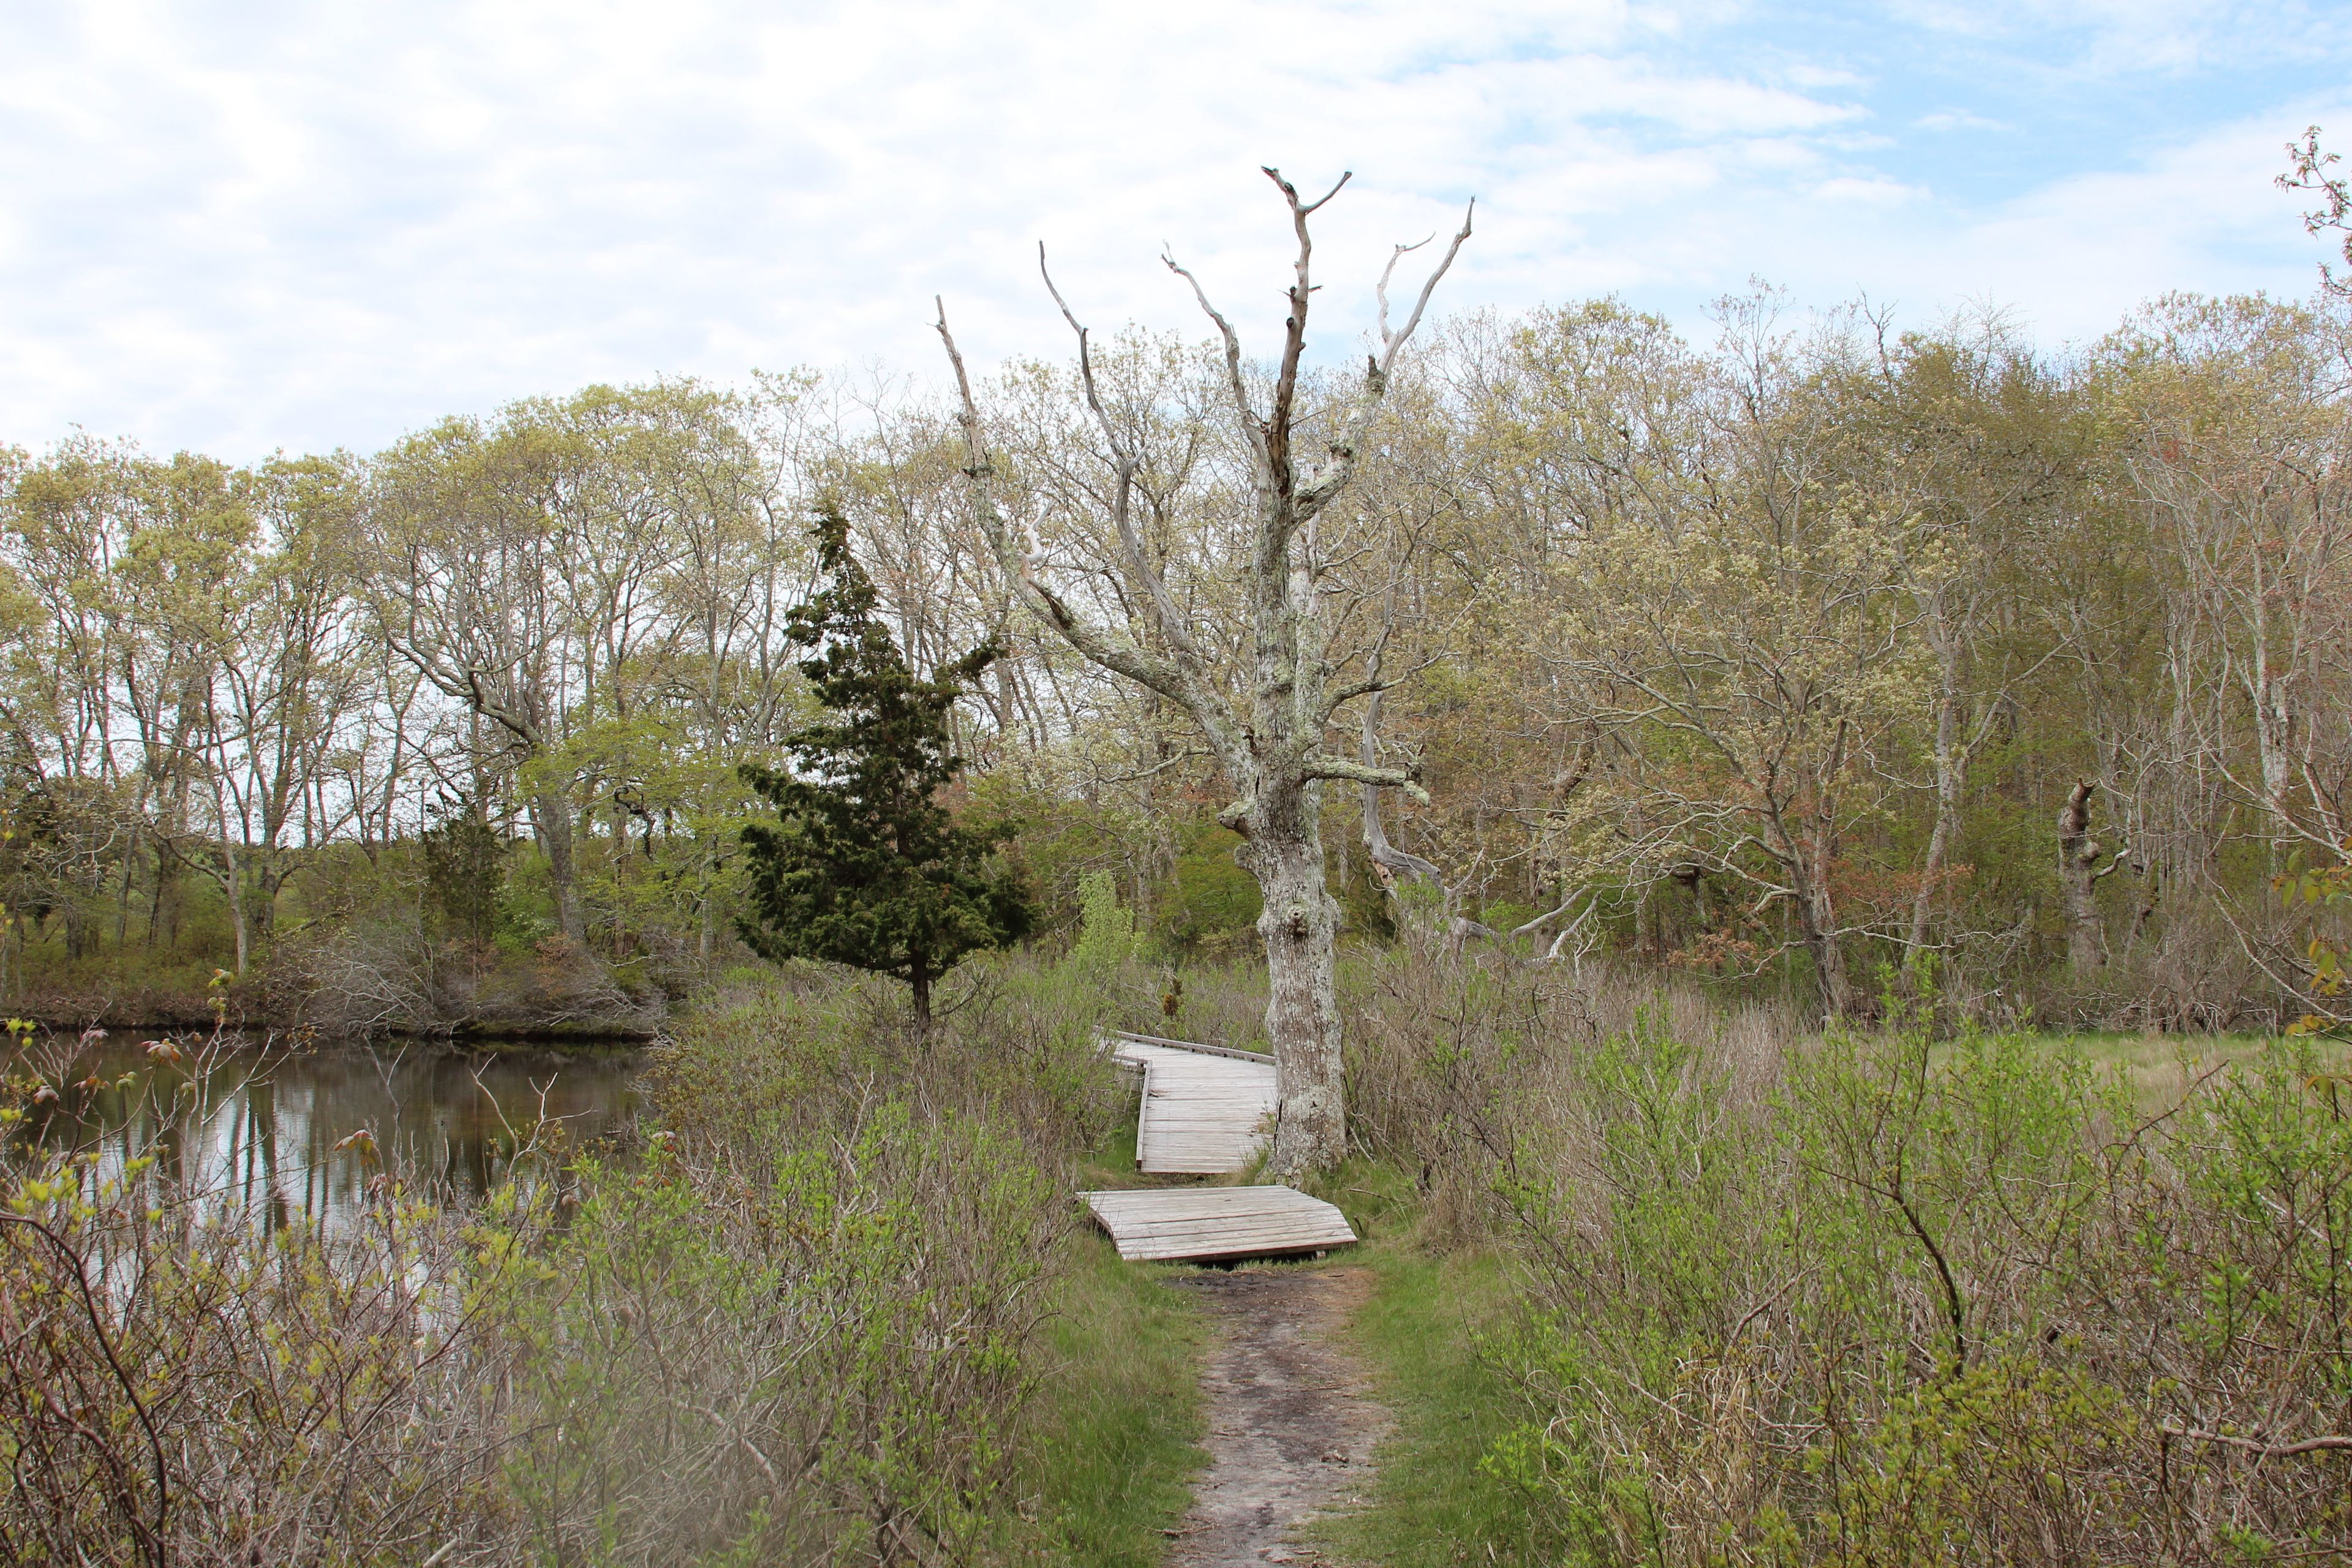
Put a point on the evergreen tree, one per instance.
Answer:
(465, 869)
(866, 866)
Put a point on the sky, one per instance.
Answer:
(261, 226)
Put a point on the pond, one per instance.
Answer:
(271, 1130)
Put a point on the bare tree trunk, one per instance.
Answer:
(234, 884)
(2078, 853)
(1299, 922)
(1949, 766)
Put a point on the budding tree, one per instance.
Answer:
(1269, 723)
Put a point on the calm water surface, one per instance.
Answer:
(272, 1130)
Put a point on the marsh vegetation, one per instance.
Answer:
(1669, 803)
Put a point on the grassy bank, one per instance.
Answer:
(1436, 1502)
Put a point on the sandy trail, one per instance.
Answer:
(1292, 1422)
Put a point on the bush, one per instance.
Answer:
(801, 1322)
(826, 1357)
(1864, 1299)
(181, 1382)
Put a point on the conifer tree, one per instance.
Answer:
(866, 866)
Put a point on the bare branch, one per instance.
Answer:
(1120, 654)
(1390, 343)
(1306, 210)
(1124, 463)
(1532, 926)
(1323, 766)
(1374, 684)
(1387, 860)
(2329, 1443)
(1381, 291)
(1333, 476)
(1250, 421)
(1294, 328)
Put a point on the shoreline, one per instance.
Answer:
(586, 1034)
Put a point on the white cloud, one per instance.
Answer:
(317, 226)
(2074, 254)
(1959, 119)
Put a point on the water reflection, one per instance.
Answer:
(271, 1131)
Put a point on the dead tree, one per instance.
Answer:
(1270, 736)
(2078, 863)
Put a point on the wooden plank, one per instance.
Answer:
(1193, 1046)
(1173, 1224)
(1201, 1115)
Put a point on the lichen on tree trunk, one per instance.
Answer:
(1299, 924)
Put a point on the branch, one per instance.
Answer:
(1532, 926)
(1294, 326)
(1119, 655)
(1387, 860)
(1390, 343)
(1376, 685)
(2322, 1444)
(1124, 462)
(152, 1536)
(1333, 475)
(1323, 766)
(1251, 424)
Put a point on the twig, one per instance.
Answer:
(157, 1549)
(2330, 1443)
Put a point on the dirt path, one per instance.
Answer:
(1292, 1423)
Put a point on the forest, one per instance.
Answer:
(1793, 652)
(1790, 875)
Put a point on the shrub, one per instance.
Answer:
(800, 1322)
(182, 1381)
(1869, 1299)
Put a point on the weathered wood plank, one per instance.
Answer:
(1129, 1037)
(1170, 1223)
(1202, 1115)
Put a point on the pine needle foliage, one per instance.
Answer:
(866, 866)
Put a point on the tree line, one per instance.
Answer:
(1797, 651)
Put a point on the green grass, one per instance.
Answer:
(1433, 1502)
(1112, 1165)
(1120, 1412)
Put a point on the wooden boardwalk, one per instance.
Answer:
(1205, 1224)
(1205, 1111)
(1205, 1108)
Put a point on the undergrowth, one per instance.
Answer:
(832, 1307)
(1120, 1413)
(1773, 1299)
